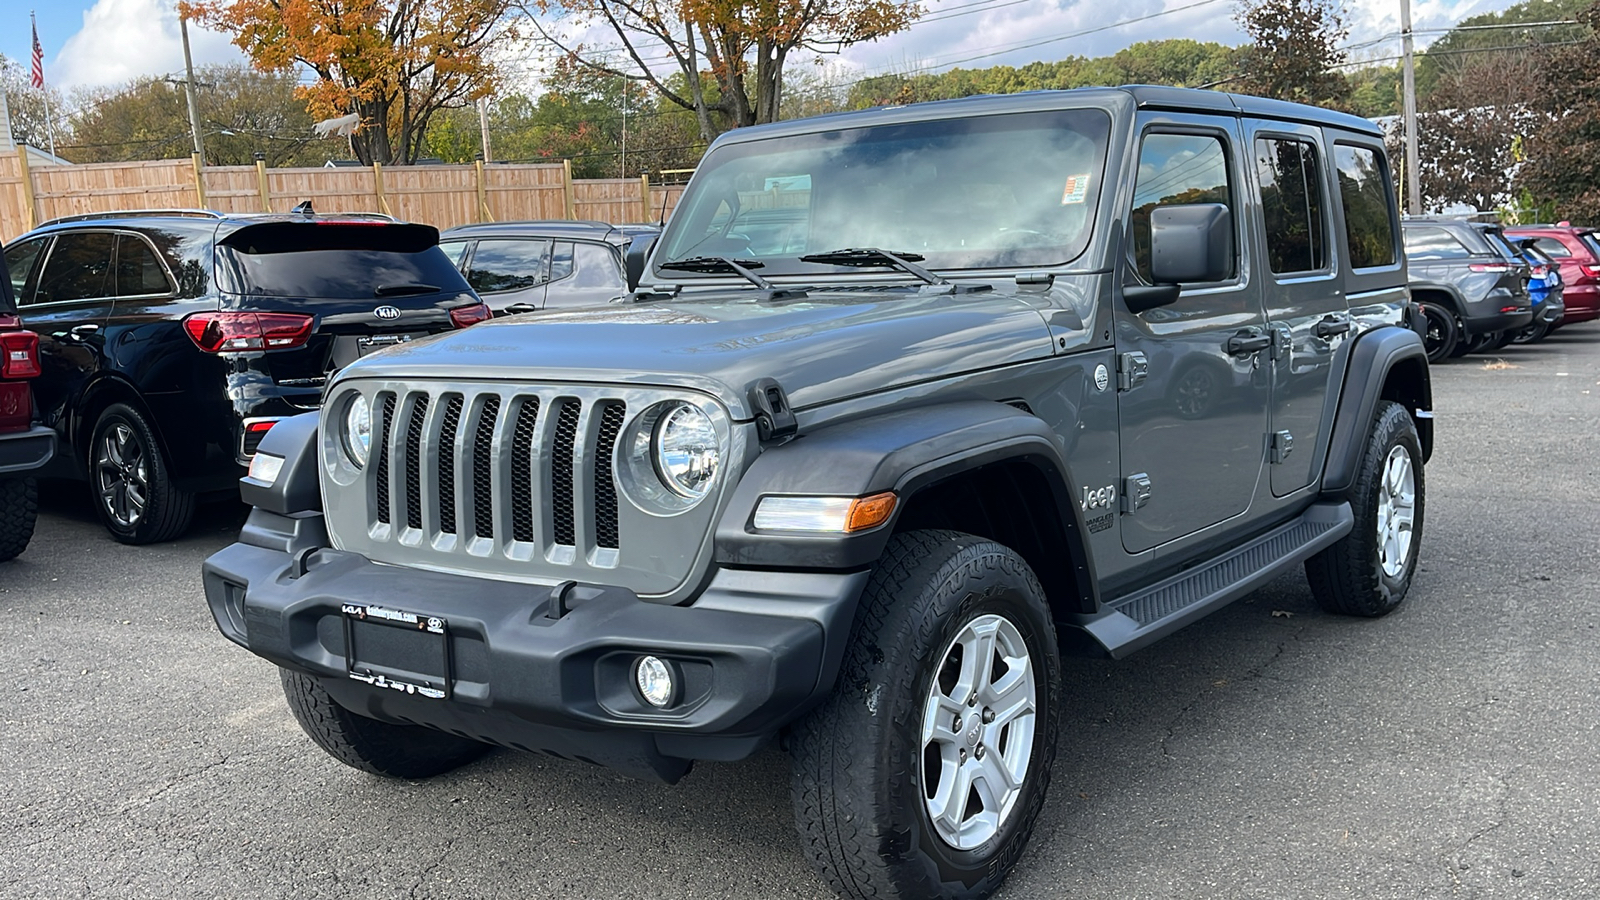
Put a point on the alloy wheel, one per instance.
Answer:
(122, 475)
(1397, 510)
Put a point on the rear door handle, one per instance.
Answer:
(79, 332)
(1330, 326)
(519, 308)
(1247, 342)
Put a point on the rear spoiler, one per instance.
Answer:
(332, 234)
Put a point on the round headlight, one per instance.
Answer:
(358, 429)
(687, 453)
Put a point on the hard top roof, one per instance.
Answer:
(592, 230)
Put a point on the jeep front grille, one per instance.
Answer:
(516, 482)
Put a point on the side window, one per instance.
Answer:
(1552, 248)
(455, 251)
(596, 267)
(78, 268)
(509, 265)
(561, 262)
(1291, 204)
(20, 259)
(1364, 191)
(1175, 169)
(1433, 243)
(139, 272)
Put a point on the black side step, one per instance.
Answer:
(1141, 618)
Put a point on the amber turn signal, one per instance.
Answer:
(870, 512)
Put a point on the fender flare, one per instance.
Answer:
(1457, 304)
(905, 451)
(1375, 355)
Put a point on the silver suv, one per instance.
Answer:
(1471, 284)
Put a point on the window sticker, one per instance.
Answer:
(1076, 191)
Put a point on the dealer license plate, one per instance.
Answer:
(402, 651)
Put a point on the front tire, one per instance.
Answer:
(132, 485)
(379, 748)
(893, 797)
(1369, 570)
(19, 509)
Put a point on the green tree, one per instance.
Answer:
(26, 104)
(1470, 42)
(1563, 166)
(1294, 53)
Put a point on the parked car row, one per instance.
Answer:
(1481, 287)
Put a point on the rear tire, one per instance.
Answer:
(396, 751)
(130, 483)
(884, 778)
(1532, 334)
(1440, 336)
(1503, 340)
(1369, 570)
(19, 510)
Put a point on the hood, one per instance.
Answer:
(826, 346)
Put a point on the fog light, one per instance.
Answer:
(264, 467)
(654, 678)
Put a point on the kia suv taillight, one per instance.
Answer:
(462, 316)
(20, 358)
(224, 332)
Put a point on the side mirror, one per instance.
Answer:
(1189, 243)
(637, 254)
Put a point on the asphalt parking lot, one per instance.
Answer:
(1271, 751)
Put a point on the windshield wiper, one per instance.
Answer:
(392, 290)
(719, 265)
(867, 257)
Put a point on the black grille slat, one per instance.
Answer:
(413, 470)
(381, 448)
(605, 490)
(522, 485)
(447, 464)
(482, 476)
(563, 472)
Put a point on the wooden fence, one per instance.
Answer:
(443, 196)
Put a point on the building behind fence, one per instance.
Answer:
(443, 196)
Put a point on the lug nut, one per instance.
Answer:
(973, 700)
(978, 752)
(988, 716)
(963, 756)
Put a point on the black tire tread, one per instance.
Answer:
(19, 510)
(379, 748)
(169, 510)
(836, 773)
(1345, 578)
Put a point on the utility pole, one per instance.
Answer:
(1409, 86)
(483, 127)
(188, 87)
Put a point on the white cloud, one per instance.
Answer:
(125, 39)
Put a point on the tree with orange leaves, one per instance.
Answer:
(393, 63)
(743, 43)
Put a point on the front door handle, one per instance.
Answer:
(520, 308)
(1330, 326)
(1248, 342)
(79, 332)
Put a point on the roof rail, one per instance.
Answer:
(134, 213)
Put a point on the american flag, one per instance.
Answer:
(38, 60)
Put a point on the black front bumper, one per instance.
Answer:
(24, 452)
(752, 652)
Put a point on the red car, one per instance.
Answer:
(1578, 252)
(25, 446)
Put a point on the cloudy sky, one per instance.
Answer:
(90, 43)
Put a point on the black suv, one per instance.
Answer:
(1471, 284)
(25, 446)
(519, 267)
(172, 341)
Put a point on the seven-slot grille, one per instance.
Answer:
(455, 469)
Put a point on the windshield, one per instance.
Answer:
(981, 192)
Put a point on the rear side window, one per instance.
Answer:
(1175, 169)
(79, 268)
(139, 272)
(509, 265)
(1498, 242)
(335, 261)
(595, 266)
(1291, 202)
(1364, 191)
(20, 259)
(1433, 243)
(1593, 244)
(1552, 247)
(455, 251)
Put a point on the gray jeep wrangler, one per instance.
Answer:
(910, 402)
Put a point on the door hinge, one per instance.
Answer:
(1132, 370)
(1282, 342)
(1280, 446)
(1136, 491)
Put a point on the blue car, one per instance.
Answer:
(1545, 288)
